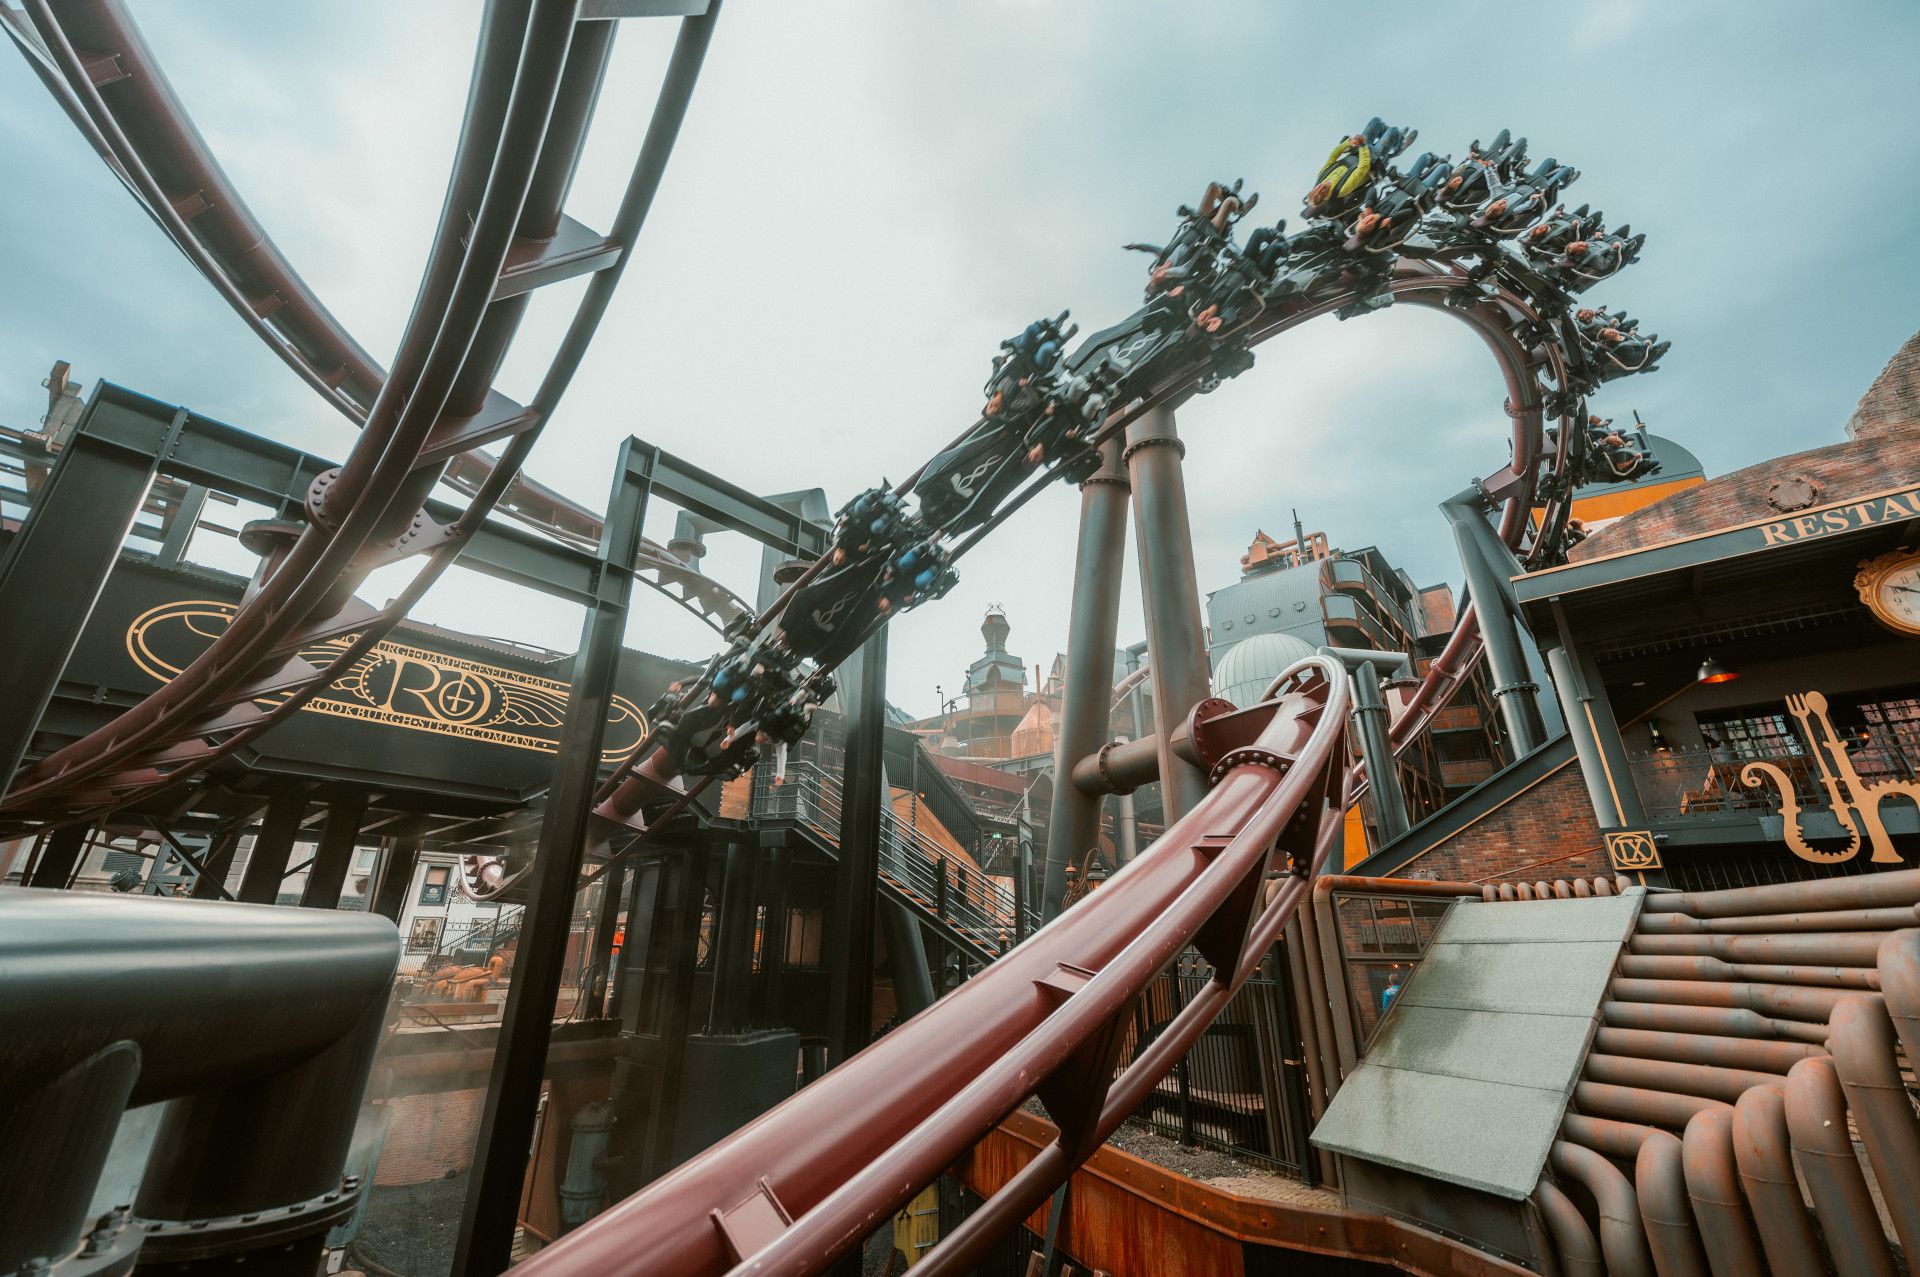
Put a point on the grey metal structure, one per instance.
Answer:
(1098, 569)
(109, 1004)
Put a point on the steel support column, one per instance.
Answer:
(217, 863)
(1176, 638)
(1513, 690)
(606, 925)
(396, 877)
(907, 957)
(856, 878)
(1074, 822)
(733, 939)
(526, 1025)
(661, 1150)
(273, 848)
(1383, 772)
(333, 858)
(1596, 736)
(55, 569)
(59, 857)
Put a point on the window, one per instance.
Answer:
(424, 935)
(433, 888)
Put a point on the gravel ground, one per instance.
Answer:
(410, 1230)
(1143, 1141)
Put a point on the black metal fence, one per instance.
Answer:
(1241, 1088)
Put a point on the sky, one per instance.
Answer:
(868, 196)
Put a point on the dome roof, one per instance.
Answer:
(1245, 669)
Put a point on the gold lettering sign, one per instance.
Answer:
(1855, 804)
(1633, 850)
(397, 685)
(1894, 508)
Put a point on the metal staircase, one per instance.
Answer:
(959, 901)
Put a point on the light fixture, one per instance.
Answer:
(1657, 738)
(1712, 671)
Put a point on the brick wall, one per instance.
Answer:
(1546, 833)
(1891, 405)
(1883, 452)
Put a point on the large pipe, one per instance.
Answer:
(1817, 1122)
(1719, 1205)
(1317, 1002)
(1900, 986)
(1711, 1081)
(1764, 1154)
(1170, 589)
(1856, 891)
(1607, 1135)
(1889, 919)
(1675, 967)
(1700, 1048)
(1861, 1038)
(1787, 1001)
(1313, 1047)
(1736, 1022)
(1659, 1179)
(259, 1023)
(1841, 948)
(1623, 1238)
(1634, 1104)
(1074, 821)
(1573, 1243)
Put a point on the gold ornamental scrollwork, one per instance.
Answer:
(1855, 803)
(397, 685)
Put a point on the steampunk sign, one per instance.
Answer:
(397, 685)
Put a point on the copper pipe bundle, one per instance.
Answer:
(1718, 1027)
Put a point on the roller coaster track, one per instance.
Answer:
(814, 1176)
(793, 1190)
(502, 235)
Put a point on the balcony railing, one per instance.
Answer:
(1705, 780)
(929, 875)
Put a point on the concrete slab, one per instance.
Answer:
(1468, 1077)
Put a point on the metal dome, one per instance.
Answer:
(1246, 668)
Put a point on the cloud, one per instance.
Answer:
(868, 196)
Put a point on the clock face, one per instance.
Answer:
(1890, 585)
(1900, 595)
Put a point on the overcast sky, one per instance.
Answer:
(868, 196)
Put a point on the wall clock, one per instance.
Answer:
(1890, 586)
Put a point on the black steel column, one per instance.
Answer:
(676, 1019)
(1595, 733)
(333, 858)
(396, 877)
(60, 857)
(1086, 699)
(1176, 637)
(273, 848)
(55, 569)
(857, 878)
(767, 1007)
(1513, 690)
(217, 862)
(907, 957)
(733, 938)
(606, 924)
(526, 1024)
